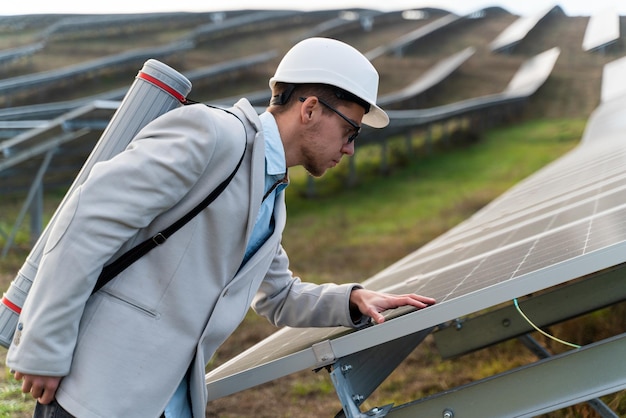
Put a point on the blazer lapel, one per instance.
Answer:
(257, 181)
(257, 164)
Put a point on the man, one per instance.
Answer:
(139, 346)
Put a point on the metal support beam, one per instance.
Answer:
(428, 139)
(42, 148)
(541, 352)
(408, 137)
(349, 400)
(35, 190)
(554, 383)
(384, 156)
(356, 376)
(36, 215)
(310, 187)
(562, 303)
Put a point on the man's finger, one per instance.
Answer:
(46, 397)
(36, 389)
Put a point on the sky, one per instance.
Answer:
(461, 7)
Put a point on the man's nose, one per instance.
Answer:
(348, 149)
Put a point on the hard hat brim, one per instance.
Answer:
(376, 117)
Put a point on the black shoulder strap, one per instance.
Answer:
(129, 257)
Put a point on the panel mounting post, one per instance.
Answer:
(350, 400)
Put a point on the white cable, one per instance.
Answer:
(541, 331)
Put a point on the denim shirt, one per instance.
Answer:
(275, 177)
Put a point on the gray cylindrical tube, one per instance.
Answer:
(156, 90)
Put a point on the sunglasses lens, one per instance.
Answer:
(352, 137)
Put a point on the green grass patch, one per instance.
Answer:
(385, 217)
(13, 403)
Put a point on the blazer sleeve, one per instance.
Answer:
(120, 197)
(285, 300)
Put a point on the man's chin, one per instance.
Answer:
(316, 171)
(316, 174)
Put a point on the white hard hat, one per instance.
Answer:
(328, 61)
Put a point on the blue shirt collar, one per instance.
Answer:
(275, 162)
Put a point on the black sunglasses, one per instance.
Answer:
(357, 128)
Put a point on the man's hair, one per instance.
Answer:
(284, 95)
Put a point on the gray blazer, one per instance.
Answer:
(124, 350)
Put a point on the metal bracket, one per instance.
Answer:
(324, 354)
(350, 400)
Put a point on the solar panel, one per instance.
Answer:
(430, 78)
(614, 73)
(602, 30)
(566, 221)
(517, 31)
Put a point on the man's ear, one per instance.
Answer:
(307, 109)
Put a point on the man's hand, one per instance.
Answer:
(42, 388)
(372, 303)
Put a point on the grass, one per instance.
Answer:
(352, 234)
(12, 402)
